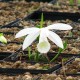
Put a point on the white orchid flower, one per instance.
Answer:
(45, 33)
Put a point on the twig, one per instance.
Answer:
(63, 67)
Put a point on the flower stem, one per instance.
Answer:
(60, 51)
(36, 58)
(41, 23)
(29, 53)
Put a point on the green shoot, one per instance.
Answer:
(71, 2)
(44, 58)
(60, 51)
(78, 2)
(36, 57)
(57, 4)
(38, 26)
(45, 67)
(29, 53)
(2, 38)
(42, 21)
(41, 24)
(70, 34)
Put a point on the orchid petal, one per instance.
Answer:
(30, 38)
(55, 38)
(59, 26)
(43, 35)
(26, 31)
(43, 47)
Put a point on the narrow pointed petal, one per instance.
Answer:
(26, 31)
(30, 38)
(43, 47)
(43, 35)
(59, 26)
(55, 38)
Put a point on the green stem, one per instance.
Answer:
(55, 57)
(79, 2)
(36, 58)
(71, 2)
(29, 53)
(60, 51)
(41, 23)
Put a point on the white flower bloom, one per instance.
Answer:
(43, 46)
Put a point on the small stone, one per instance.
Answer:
(77, 59)
(31, 67)
(16, 64)
(74, 50)
(58, 78)
(69, 78)
(37, 65)
(8, 78)
(50, 5)
(27, 77)
(39, 68)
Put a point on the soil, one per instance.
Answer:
(72, 68)
(24, 65)
(10, 30)
(58, 77)
(62, 6)
(11, 47)
(24, 62)
(10, 11)
(11, 38)
(28, 76)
